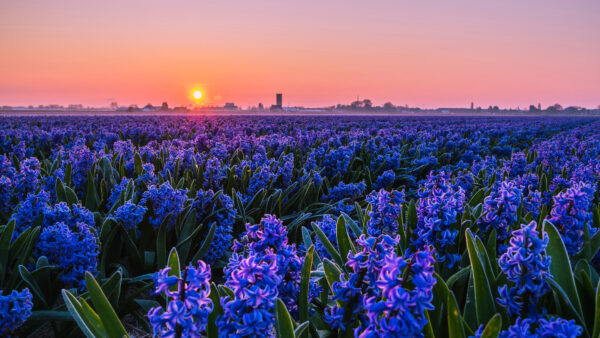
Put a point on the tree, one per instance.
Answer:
(389, 106)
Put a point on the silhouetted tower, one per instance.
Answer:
(472, 106)
(279, 100)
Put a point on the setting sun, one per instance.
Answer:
(197, 94)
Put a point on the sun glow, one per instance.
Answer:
(197, 95)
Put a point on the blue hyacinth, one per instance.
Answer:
(254, 281)
(440, 204)
(163, 200)
(74, 249)
(220, 211)
(270, 236)
(15, 309)
(188, 305)
(526, 264)
(500, 209)
(386, 208)
(30, 211)
(130, 215)
(571, 213)
(387, 292)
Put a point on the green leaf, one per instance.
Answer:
(597, 313)
(304, 284)
(206, 244)
(212, 330)
(71, 196)
(568, 311)
(299, 331)
(344, 243)
(92, 201)
(173, 263)
(493, 327)
(113, 325)
(283, 321)
(411, 217)
(60, 190)
(560, 265)
(161, 243)
(89, 327)
(32, 283)
(328, 246)
(4, 247)
(137, 163)
(455, 326)
(477, 197)
(332, 272)
(484, 299)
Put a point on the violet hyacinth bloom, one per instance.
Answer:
(439, 205)
(500, 209)
(526, 265)
(378, 291)
(188, 306)
(571, 213)
(386, 208)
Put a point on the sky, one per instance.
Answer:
(317, 53)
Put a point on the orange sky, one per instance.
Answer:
(427, 53)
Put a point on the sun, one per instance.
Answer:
(197, 94)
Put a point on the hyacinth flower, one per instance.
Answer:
(220, 210)
(571, 214)
(385, 180)
(255, 282)
(30, 211)
(15, 309)
(526, 264)
(270, 237)
(540, 328)
(439, 205)
(386, 207)
(500, 209)
(28, 177)
(130, 215)
(116, 192)
(161, 201)
(344, 195)
(188, 302)
(388, 293)
(70, 215)
(74, 249)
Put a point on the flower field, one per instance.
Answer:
(299, 226)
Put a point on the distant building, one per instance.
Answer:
(278, 102)
(230, 106)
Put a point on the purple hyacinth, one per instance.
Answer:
(439, 205)
(386, 208)
(571, 214)
(388, 293)
(222, 212)
(188, 305)
(526, 264)
(254, 281)
(270, 236)
(500, 208)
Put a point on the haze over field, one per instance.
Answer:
(431, 53)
